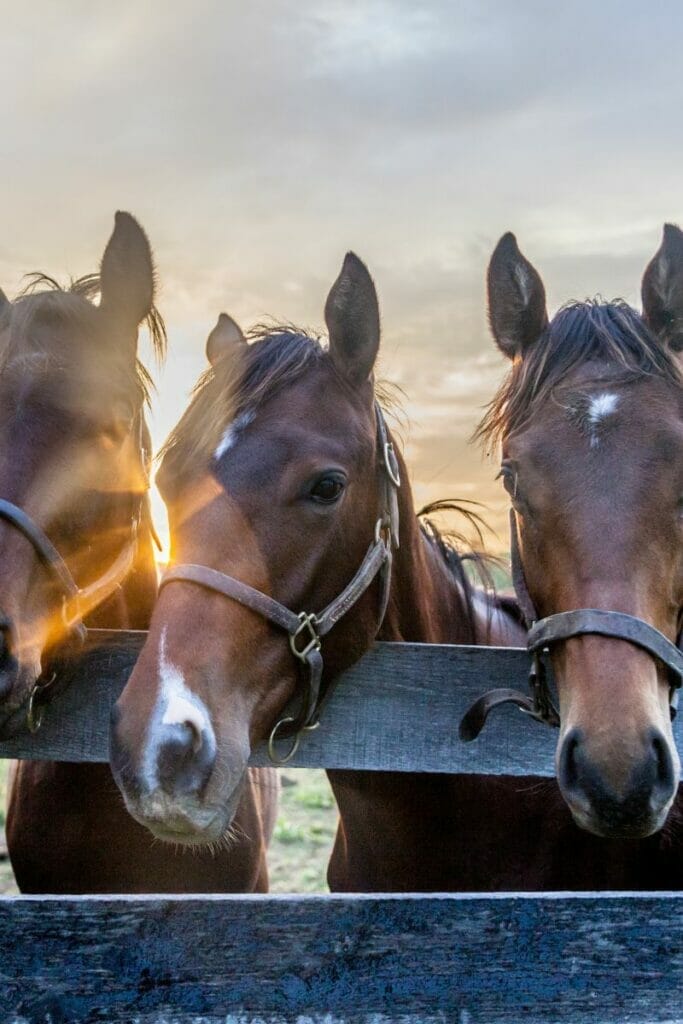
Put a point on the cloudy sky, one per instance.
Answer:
(257, 142)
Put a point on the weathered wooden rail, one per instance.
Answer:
(397, 709)
(371, 959)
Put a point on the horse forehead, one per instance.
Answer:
(316, 413)
(601, 438)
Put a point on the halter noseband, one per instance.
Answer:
(306, 629)
(543, 633)
(77, 601)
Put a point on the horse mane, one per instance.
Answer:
(611, 334)
(44, 299)
(468, 565)
(277, 355)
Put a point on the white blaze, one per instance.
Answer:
(176, 705)
(232, 431)
(599, 408)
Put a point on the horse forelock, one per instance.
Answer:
(30, 323)
(276, 357)
(612, 336)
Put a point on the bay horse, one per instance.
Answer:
(590, 420)
(76, 550)
(280, 480)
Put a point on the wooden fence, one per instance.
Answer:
(327, 959)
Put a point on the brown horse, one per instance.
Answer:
(76, 542)
(591, 424)
(278, 475)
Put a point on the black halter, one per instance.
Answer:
(307, 629)
(543, 633)
(76, 602)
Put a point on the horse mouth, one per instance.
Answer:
(618, 827)
(13, 721)
(186, 825)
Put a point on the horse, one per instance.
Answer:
(285, 491)
(590, 419)
(77, 550)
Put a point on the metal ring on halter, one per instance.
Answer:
(34, 715)
(35, 711)
(275, 758)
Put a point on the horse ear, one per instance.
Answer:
(516, 297)
(352, 318)
(226, 337)
(127, 273)
(4, 302)
(662, 289)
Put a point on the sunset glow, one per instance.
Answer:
(258, 143)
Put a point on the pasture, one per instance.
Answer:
(300, 849)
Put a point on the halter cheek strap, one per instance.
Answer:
(306, 630)
(543, 633)
(77, 601)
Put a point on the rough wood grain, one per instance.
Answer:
(397, 709)
(469, 959)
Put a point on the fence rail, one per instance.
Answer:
(579, 958)
(396, 709)
(466, 959)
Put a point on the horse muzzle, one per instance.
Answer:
(618, 805)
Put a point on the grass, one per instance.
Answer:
(7, 883)
(304, 832)
(302, 841)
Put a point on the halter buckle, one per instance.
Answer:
(383, 525)
(307, 626)
(391, 464)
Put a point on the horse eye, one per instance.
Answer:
(122, 419)
(327, 489)
(509, 478)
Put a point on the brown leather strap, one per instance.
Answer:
(474, 719)
(220, 583)
(47, 553)
(562, 626)
(618, 625)
(375, 557)
(306, 630)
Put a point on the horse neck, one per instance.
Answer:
(427, 604)
(130, 606)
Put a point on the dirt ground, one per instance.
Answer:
(301, 845)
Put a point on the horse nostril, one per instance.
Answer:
(196, 734)
(185, 758)
(568, 768)
(664, 767)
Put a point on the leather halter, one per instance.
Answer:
(77, 602)
(307, 629)
(543, 633)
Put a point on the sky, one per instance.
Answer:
(257, 142)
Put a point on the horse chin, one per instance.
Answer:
(13, 722)
(185, 822)
(639, 828)
(14, 709)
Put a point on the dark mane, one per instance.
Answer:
(610, 334)
(276, 356)
(467, 565)
(44, 300)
